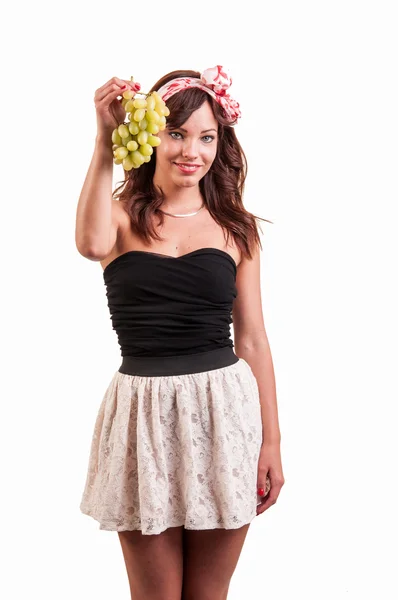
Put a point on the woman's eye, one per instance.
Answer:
(178, 133)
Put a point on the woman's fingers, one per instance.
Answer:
(270, 497)
(112, 90)
(113, 86)
(109, 108)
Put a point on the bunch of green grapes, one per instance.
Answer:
(133, 142)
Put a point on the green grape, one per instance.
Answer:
(143, 124)
(146, 149)
(162, 123)
(118, 161)
(126, 140)
(137, 157)
(158, 97)
(147, 158)
(153, 116)
(152, 128)
(115, 146)
(153, 140)
(128, 163)
(132, 145)
(140, 103)
(150, 103)
(124, 102)
(166, 111)
(116, 139)
(128, 94)
(123, 131)
(134, 128)
(159, 110)
(121, 152)
(129, 106)
(139, 114)
(142, 137)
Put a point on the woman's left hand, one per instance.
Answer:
(270, 464)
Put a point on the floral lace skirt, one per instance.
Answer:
(176, 450)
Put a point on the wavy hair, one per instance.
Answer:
(221, 187)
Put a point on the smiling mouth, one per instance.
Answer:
(187, 167)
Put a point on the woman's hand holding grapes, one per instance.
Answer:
(109, 109)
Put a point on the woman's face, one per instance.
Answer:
(195, 143)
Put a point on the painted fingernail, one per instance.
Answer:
(124, 87)
(260, 492)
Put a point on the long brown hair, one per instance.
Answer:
(222, 186)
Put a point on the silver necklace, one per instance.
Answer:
(185, 215)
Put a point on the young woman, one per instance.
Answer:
(186, 445)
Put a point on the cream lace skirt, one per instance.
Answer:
(176, 450)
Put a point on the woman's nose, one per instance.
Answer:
(189, 150)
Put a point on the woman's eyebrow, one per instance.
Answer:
(182, 129)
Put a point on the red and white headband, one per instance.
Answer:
(215, 81)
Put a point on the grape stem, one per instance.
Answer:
(141, 93)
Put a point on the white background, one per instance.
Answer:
(317, 86)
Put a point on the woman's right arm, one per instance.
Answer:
(96, 231)
(97, 213)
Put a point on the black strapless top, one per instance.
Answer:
(163, 305)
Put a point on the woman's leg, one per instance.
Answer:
(210, 559)
(154, 563)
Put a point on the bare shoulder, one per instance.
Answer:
(119, 214)
(248, 274)
(120, 223)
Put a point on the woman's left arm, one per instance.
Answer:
(251, 342)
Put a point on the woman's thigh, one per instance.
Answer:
(154, 563)
(210, 559)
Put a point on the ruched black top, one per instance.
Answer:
(162, 305)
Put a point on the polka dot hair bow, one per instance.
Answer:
(215, 81)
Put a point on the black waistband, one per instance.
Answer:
(180, 364)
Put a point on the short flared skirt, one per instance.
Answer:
(176, 450)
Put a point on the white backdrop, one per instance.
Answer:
(317, 86)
